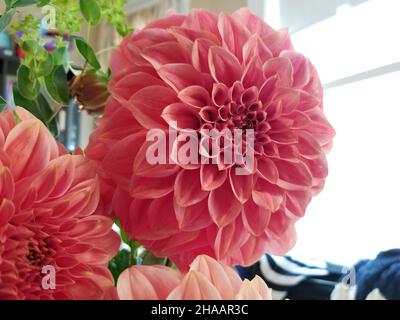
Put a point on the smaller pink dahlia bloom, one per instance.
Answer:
(207, 279)
(208, 71)
(47, 204)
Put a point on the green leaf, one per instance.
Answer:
(150, 259)
(60, 58)
(87, 52)
(39, 107)
(42, 3)
(119, 263)
(3, 104)
(10, 3)
(46, 67)
(30, 46)
(23, 3)
(6, 19)
(57, 85)
(28, 88)
(123, 234)
(91, 11)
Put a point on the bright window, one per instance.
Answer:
(357, 53)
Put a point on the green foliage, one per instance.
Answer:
(113, 12)
(91, 11)
(87, 52)
(119, 263)
(57, 86)
(3, 104)
(6, 19)
(39, 107)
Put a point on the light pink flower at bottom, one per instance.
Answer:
(207, 279)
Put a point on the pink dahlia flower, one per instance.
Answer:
(207, 71)
(207, 279)
(52, 246)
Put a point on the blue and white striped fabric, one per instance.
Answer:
(291, 278)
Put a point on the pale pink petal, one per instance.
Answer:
(255, 289)
(233, 34)
(195, 286)
(147, 283)
(225, 279)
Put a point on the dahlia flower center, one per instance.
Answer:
(237, 108)
(39, 253)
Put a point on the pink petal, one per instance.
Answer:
(143, 168)
(147, 107)
(211, 177)
(308, 146)
(187, 189)
(301, 69)
(233, 34)
(278, 42)
(151, 188)
(267, 169)
(297, 202)
(253, 23)
(200, 19)
(167, 22)
(120, 160)
(255, 218)
(255, 47)
(164, 53)
(181, 117)
(147, 283)
(30, 146)
(181, 75)
(193, 218)
(229, 239)
(242, 185)
(200, 51)
(255, 289)
(224, 66)
(267, 195)
(223, 205)
(195, 286)
(159, 222)
(224, 278)
(293, 176)
(195, 96)
(127, 86)
(253, 74)
(281, 67)
(281, 234)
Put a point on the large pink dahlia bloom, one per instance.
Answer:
(207, 279)
(47, 201)
(205, 71)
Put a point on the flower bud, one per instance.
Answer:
(90, 90)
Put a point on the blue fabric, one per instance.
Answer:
(382, 273)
